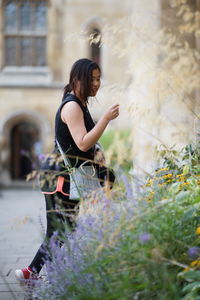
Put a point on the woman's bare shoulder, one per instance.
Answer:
(71, 106)
(70, 110)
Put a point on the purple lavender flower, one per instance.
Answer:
(193, 252)
(23, 152)
(128, 187)
(144, 237)
(34, 165)
(42, 157)
(57, 167)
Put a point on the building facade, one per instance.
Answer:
(39, 41)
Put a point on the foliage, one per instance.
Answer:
(118, 147)
(186, 162)
(139, 248)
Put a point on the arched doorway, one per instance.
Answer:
(25, 147)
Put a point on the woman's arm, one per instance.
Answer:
(72, 115)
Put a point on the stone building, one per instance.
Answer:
(37, 49)
(39, 41)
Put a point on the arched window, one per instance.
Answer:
(95, 45)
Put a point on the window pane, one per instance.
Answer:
(40, 51)
(40, 16)
(25, 48)
(10, 51)
(95, 50)
(26, 51)
(25, 15)
(10, 16)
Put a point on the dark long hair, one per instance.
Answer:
(82, 71)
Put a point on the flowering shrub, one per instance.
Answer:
(127, 247)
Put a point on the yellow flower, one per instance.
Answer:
(186, 269)
(167, 176)
(195, 263)
(163, 169)
(149, 182)
(180, 177)
(197, 230)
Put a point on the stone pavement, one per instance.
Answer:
(22, 225)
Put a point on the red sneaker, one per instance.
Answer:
(25, 274)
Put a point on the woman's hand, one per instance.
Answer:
(112, 112)
(99, 157)
(72, 115)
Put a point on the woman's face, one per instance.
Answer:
(96, 81)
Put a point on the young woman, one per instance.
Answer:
(77, 135)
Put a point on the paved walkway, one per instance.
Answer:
(22, 211)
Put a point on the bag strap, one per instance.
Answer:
(93, 168)
(66, 162)
(63, 154)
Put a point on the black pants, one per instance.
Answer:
(60, 212)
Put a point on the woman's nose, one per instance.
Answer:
(95, 83)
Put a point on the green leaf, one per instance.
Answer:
(189, 214)
(186, 169)
(192, 287)
(191, 275)
(182, 195)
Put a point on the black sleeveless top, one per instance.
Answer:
(64, 137)
(50, 173)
